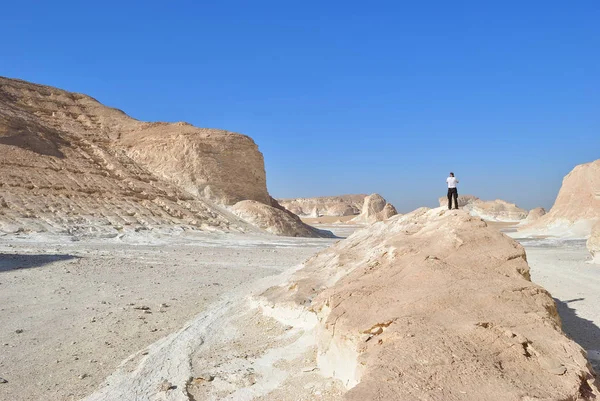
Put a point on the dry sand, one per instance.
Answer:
(205, 336)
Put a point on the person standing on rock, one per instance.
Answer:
(452, 191)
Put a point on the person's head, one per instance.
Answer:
(451, 174)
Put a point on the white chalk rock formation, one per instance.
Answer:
(276, 220)
(343, 205)
(435, 305)
(375, 208)
(593, 243)
(496, 210)
(577, 206)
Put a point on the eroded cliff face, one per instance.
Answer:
(577, 206)
(70, 163)
(435, 305)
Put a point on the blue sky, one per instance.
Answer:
(343, 97)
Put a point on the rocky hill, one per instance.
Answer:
(342, 205)
(577, 206)
(434, 305)
(71, 164)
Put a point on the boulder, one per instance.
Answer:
(577, 206)
(375, 208)
(534, 215)
(434, 305)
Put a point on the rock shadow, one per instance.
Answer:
(584, 332)
(11, 262)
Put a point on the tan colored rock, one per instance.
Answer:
(593, 243)
(71, 164)
(222, 166)
(375, 208)
(276, 220)
(534, 215)
(577, 206)
(435, 305)
(343, 205)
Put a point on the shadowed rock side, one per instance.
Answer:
(435, 305)
(375, 208)
(276, 220)
(593, 243)
(72, 164)
(577, 206)
(496, 210)
(343, 205)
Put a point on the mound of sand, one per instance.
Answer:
(435, 305)
(343, 205)
(496, 210)
(593, 243)
(577, 206)
(276, 220)
(70, 164)
(375, 208)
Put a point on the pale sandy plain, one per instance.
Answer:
(171, 316)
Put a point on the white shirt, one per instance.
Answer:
(452, 181)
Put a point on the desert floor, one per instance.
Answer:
(170, 317)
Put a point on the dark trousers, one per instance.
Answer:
(452, 193)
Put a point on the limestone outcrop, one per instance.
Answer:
(276, 220)
(593, 243)
(534, 215)
(577, 206)
(343, 205)
(435, 305)
(71, 164)
(496, 210)
(375, 208)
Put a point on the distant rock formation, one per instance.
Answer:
(434, 304)
(276, 220)
(496, 210)
(70, 164)
(375, 208)
(534, 215)
(343, 205)
(593, 243)
(577, 206)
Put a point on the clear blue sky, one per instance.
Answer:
(343, 96)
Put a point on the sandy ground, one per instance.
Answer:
(71, 312)
(177, 318)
